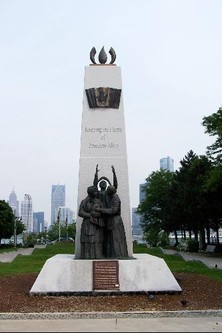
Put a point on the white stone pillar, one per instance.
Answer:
(103, 142)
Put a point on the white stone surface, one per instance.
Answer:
(103, 142)
(65, 274)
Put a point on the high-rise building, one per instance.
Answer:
(141, 192)
(27, 213)
(14, 203)
(136, 228)
(66, 215)
(38, 222)
(57, 200)
(167, 163)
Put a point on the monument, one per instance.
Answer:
(104, 260)
(103, 136)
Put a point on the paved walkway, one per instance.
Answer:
(10, 256)
(209, 261)
(187, 321)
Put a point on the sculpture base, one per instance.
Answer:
(65, 275)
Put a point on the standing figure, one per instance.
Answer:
(102, 192)
(102, 183)
(91, 237)
(116, 246)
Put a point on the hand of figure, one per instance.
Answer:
(95, 214)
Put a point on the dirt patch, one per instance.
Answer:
(198, 293)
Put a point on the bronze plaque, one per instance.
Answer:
(106, 275)
(103, 97)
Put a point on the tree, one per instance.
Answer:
(193, 199)
(20, 227)
(66, 231)
(71, 229)
(153, 209)
(31, 239)
(213, 126)
(213, 189)
(6, 220)
(179, 201)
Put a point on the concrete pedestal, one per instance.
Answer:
(63, 274)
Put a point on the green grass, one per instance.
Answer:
(177, 264)
(34, 262)
(7, 249)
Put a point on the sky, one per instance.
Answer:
(170, 55)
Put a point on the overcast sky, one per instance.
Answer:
(170, 54)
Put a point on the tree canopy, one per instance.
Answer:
(8, 221)
(66, 231)
(213, 126)
(181, 200)
(153, 209)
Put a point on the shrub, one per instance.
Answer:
(188, 245)
(163, 239)
(192, 245)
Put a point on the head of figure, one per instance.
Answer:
(103, 185)
(111, 190)
(92, 191)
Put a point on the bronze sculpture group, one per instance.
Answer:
(102, 231)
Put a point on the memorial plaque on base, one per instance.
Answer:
(106, 275)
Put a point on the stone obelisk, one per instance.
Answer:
(103, 136)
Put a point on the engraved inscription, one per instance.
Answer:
(106, 275)
(101, 140)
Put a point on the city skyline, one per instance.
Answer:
(23, 208)
(166, 163)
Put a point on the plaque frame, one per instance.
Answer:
(105, 275)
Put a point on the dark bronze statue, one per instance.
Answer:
(91, 237)
(116, 246)
(102, 230)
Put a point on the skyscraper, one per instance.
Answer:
(38, 222)
(14, 203)
(57, 200)
(141, 192)
(136, 228)
(66, 215)
(167, 163)
(137, 231)
(27, 213)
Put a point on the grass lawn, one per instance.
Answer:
(177, 264)
(7, 249)
(35, 261)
